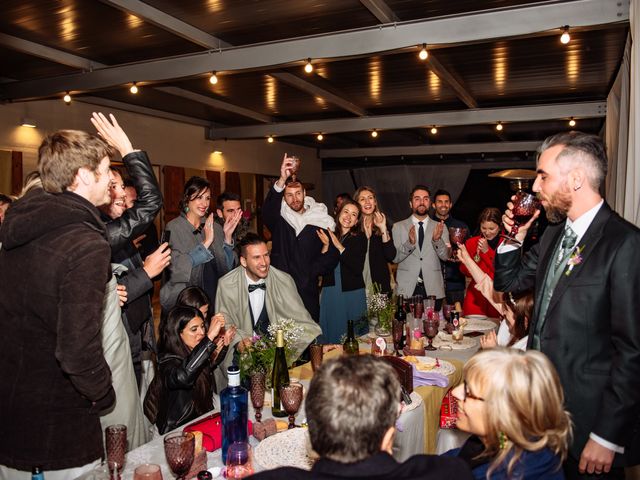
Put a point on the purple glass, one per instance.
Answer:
(524, 206)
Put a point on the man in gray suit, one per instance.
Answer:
(421, 243)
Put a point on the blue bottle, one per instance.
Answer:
(234, 412)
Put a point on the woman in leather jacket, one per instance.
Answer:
(189, 354)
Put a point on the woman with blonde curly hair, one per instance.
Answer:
(513, 405)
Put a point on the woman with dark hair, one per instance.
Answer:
(185, 365)
(343, 296)
(482, 249)
(192, 253)
(197, 298)
(380, 251)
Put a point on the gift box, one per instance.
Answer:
(448, 411)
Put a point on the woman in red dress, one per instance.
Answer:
(482, 249)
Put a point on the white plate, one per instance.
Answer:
(478, 317)
(445, 367)
(478, 324)
(290, 448)
(444, 341)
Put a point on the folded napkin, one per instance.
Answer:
(429, 378)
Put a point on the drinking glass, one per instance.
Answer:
(295, 166)
(446, 311)
(316, 353)
(179, 449)
(524, 206)
(258, 387)
(291, 398)
(456, 235)
(239, 460)
(457, 335)
(116, 441)
(429, 306)
(148, 471)
(431, 326)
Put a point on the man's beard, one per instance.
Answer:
(558, 205)
(421, 210)
(296, 206)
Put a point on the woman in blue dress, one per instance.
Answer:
(343, 294)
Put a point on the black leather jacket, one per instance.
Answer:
(179, 376)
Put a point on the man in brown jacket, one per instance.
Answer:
(54, 268)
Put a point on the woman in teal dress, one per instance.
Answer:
(343, 293)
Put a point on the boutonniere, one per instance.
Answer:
(575, 259)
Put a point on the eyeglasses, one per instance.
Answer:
(468, 394)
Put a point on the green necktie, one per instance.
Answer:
(561, 255)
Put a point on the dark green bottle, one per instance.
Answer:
(350, 345)
(279, 376)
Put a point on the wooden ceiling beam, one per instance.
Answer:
(454, 29)
(418, 120)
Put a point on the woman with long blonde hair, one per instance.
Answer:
(513, 405)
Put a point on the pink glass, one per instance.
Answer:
(179, 449)
(291, 398)
(148, 471)
(239, 460)
(524, 206)
(116, 443)
(316, 352)
(258, 388)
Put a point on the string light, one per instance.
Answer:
(270, 139)
(423, 55)
(374, 133)
(565, 37)
(67, 98)
(308, 67)
(572, 122)
(320, 137)
(434, 130)
(499, 126)
(213, 79)
(134, 88)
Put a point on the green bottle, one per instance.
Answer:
(350, 345)
(279, 376)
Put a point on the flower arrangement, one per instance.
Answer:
(379, 305)
(259, 355)
(575, 259)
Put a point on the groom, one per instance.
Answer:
(587, 297)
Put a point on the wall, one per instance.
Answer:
(167, 142)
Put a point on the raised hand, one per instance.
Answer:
(462, 254)
(230, 225)
(412, 235)
(483, 245)
(489, 340)
(229, 334)
(336, 242)
(324, 239)
(112, 133)
(208, 231)
(122, 294)
(380, 221)
(217, 322)
(437, 231)
(507, 221)
(286, 167)
(157, 261)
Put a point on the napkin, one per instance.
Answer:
(429, 378)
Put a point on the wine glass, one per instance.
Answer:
(524, 206)
(291, 398)
(431, 326)
(295, 166)
(116, 441)
(179, 448)
(446, 311)
(239, 460)
(456, 235)
(258, 387)
(148, 471)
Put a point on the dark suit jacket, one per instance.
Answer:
(351, 264)
(377, 467)
(591, 332)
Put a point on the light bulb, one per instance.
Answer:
(213, 79)
(320, 137)
(572, 123)
(423, 55)
(134, 88)
(374, 134)
(499, 126)
(308, 67)
(565, 37)
(434, 130)
(270, 139)
(67, 98)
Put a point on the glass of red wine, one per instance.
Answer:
(456, 235)
(524, 206)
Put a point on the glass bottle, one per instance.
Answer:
(350, 345)
(37, 473)
(279, 376)
(401, 317)
(234, 411)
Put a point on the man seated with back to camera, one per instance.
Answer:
(352, 407)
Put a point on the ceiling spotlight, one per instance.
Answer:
(308, 67)
(374, 133)
(423, 55)
(213, 79)
(67, 98)
(433, 130)
(134, 88)
(499, 126)
(565, 37)
(572, 122)
(320, 137)
(270, 139)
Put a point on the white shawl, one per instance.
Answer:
(314, 214)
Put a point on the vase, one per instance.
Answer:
(383, 327)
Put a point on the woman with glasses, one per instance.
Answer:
(512, 404)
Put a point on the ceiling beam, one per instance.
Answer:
(418, 120)
(168, 22)
(380, 10)
(477, 26)
(48, 53)
(496, 147)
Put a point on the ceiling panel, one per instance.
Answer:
(21, 66)
(415, 9)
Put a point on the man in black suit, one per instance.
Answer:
(352, 407)
(587, 298)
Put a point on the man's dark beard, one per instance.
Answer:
(558, 206)
(418, 212)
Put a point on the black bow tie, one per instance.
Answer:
(255, 286)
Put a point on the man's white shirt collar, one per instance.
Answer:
(581, 224)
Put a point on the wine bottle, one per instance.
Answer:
(279, 376)
(350, 345)
(37, 473)
(401, 316)
(234, 412)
